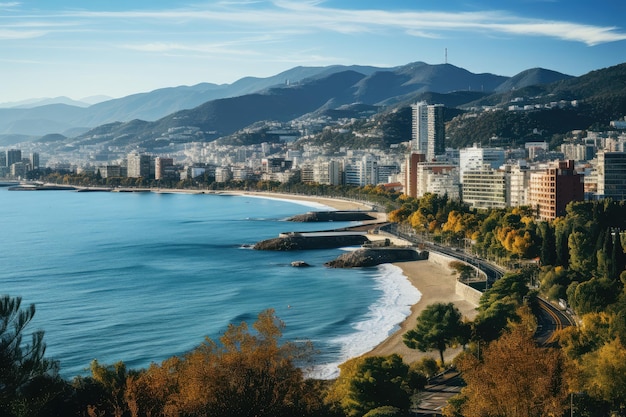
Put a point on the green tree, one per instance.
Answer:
(438, 327)
(618, 258)
(491, 322)
(554, 282)
(548, 244)
(512, 286)
(464, 270)
(22, 366)
(562, 229)
(368, 383)
(581, 254)
(499, 304)
(592, 296)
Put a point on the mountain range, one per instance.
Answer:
(212, 111)
(370, 85)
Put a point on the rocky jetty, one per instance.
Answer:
(299, 242)
(375, 256)
(46, 187)
(332, 216)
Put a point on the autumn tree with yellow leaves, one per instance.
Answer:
(248, 373)
(513, 377)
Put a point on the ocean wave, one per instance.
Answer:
(382, 320)
(311, 204)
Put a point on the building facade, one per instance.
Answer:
(476, 158)
(138, 165)
(553, 188)
(438, 178)
(485, 188)
(13, 156)
(611, 175)
(163, 168)
(428, 129)
(328, 172)
(518, 183)
(410, 171)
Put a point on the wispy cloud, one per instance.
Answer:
(226, 48)
(314, 17)
(6, 34)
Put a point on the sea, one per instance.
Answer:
(139, 277)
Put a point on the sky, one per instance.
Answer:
(84, 48)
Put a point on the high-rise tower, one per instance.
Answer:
(428, 129)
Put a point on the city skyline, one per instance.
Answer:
(77, 49)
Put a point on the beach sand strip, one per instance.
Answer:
(435, 282)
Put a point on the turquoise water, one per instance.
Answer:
(139, 277)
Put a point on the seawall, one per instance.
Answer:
(468, 293)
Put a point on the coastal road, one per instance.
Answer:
(436, 394)
(550, 320)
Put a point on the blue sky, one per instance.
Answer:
(79, 48)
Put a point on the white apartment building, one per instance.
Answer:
(307, 174)
(139, 165)
(437, 178)
(222, 174)
(241, 173)
(428, 129)
(578, 151)
(519, 182)
(475, 158)
(485, 188)
(328, 172)
(361, 172)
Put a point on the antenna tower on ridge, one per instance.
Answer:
(446, 56)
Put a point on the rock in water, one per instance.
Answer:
(371, 257)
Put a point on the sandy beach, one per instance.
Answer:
(435, 282)
(437, 285)
(336, 203)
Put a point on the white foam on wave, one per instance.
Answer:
(307, 203)
(381, 321)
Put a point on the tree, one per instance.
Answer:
(593, 332)
(21, 365)
(438, 327)
(368, 383)
(581, 253)
(548, 244)
(491, 322)
(464, 270)
(592, 296)
(514, 378)
(603, 374)
(512, 286)
(618, 258)
(562, 230)
(111, 379)
(249, 373)
(386, 411)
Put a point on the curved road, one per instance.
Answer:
(549, 319)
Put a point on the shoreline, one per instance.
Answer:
(435, 283)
